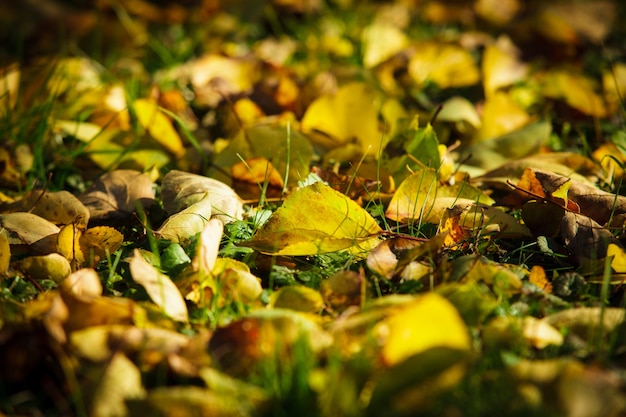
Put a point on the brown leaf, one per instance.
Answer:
(113, 196)
(584, 238)
(593, 202)
(181, 190)
(30, 229)
(59, 207)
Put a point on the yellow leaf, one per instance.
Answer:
(159, 287)
(614, 84)
(540, 334)
(420, 197)
(501, 66)
(257, 171)
(181, 226)
(538, 277)
(83, 283)
(297, 297)
(446, 65)
(430, 321)
(381, 41)
(5, 254)
(618, 261)
(501, 115)
(120, 382)
(9, 88)
(561, 192)
(350, 113)
(159, 126)
(52, 266)
(317, 219)
(577, 90)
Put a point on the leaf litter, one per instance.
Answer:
(309, 207)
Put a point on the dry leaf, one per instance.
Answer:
(446, 65)
(381, 41)
(298, 298)
(316, 219)
(428, 322)
(501, 66)
(115, 194)
(159, 287)
(153, 120)
(350, 114)
(52, 266)
(180, 190)
(29, 229)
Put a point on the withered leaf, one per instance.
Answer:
(113, 196)
(29, 229)
(181, 190)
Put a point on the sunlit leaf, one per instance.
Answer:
(181, 190)
(577, 90)
(446, 65)
(501, 66)
(114, 195)
(501, 115)
(159, 287)
(421, 198)
(316, 219)
(30, 229)
(121, 382)
(152, 119)
(5, 254)
(181, 226)
(52, 266)
(381, 41)
(83, 283)
(297, 297)
(429, 321)
(351, 113)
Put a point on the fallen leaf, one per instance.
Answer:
(429, 321)
(421, 198)
(266, 338)
(159, 287)
(381, 41)
(258, 171)
(154, 121)
(114, 195)
(120, 382)
(30, 229)
(316, 219)
(501, 66)
(343, 290)
(180, 190)
(83, 283)
(577, 90)
(350, 114)
(298, 298)
(288, 150)
(182, 226)
(446, 65)
(5, 254)
(52, 266)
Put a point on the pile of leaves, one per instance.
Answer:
(317, 208)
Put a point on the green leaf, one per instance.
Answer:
(317, 219)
